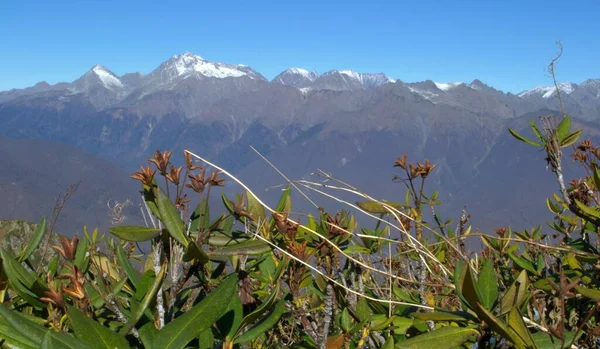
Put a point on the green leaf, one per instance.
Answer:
(537, 132)
(488, 284)
(179, 332)
(596, 178)
(523, 139)
(138, 312)
(516, 293)
(267, 304)
(447, 337)
(132, 274)
(285, 202)
(206, 339)
(516, 323)
(588, 210)
(469, 289)
(570, 139)
(250, 247)
(195, 252)
(499, 327)
(148, 334)
(523, 263)
(170, 217)
(563, 129)
(381, 322)
(588, 293)
(389, 343)
(23, 281)
(345, 320)
(362, 310)
(377, 208)
(35, 240)
(546, 341)
(134, 233)
(200, 220)
(81, 257)
(14, 339)
(264, 325)
(93, 333)
(53, 340)
(256, 210)
(229, 323)
(455, 316)
(356, 249)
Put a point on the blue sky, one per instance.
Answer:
(506, 44)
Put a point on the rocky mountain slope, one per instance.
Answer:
(351, 124)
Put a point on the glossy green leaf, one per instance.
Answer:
(516, 293)
(14, 339)
(206, 340)
(345, 321)
(195, 252)
(499, 327)
(200, 219)
(362, 310)
(516, 323)
(488, 284)
(377, 208)
(592, 213)
(138, 312)
(381, 322)
(265, 324)
(448, 337)
(523, 139)
(134, 233)
(250, 247)
(34, 243)
(588, 293)
(444, 316)
(93, 333)
(564, 128)
(170, 217)
(523, 263)
(179, 332)
(571, 139)
(256, 210)
(148, 334)
(81, 255)
(230, 322)
(132, 274)
(546, 341)
(537, 132)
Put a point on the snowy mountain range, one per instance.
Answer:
(349, 123)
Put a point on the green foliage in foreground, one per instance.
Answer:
(255, 278)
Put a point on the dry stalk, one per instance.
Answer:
(290, 255)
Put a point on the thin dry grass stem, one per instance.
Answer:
(538, 244)
(388, 207)
(413, 241)
(285, 177)
(336, 247)
(325, 239)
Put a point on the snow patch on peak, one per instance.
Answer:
(188, 64)
(109, 80)
(445, 86)
(351, 73)
(549, 91)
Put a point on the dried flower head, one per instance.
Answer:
(67, 247)
(189, 162)
(198, 181)
(401, 162)
(146, 175)
(585, 145)
(214, 179)
(173, 175)
(161, 160)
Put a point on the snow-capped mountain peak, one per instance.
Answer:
(188, 65)
(108, 78)
(296, 77)
(549, 91)
(445, 86)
